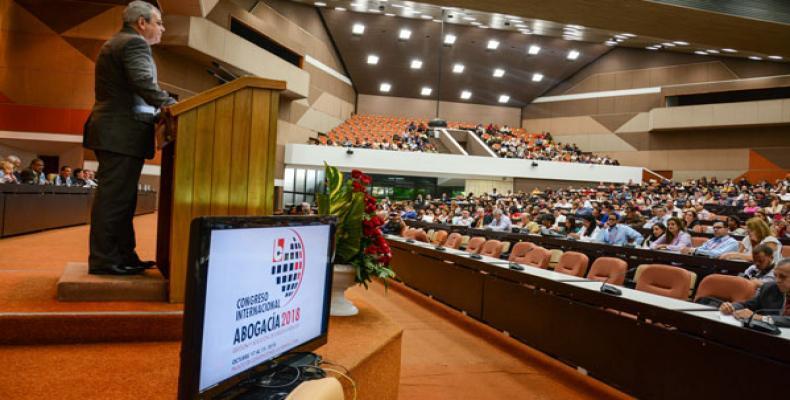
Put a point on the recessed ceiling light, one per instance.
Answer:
(426, 91)
(374, 10)
(483, 26)
(574, 26)
(458, 68)
(504, 98)
(385, 87)
(668, 44)
(373, 59)
(652, 48)
(466, 94)
(416, 64)
(340, 9)
(426, 16)
(621, 37)
(610, 43)
(728, 50)
(492, 44)
(701, 53)
(449, 39)
(629, 35)
(320, 4)
(355, 5)
(404, 34)
(521, 26)
(681, 43)
(712, 51)
(537, 77)
(398, 5)
(755, 58)
(476, 23)
(499, 72)
(533, 50)
(358, 29)
(573, 54)
(389, 14)
(470, 19)
(775, 57)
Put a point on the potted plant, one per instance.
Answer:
(361, 252)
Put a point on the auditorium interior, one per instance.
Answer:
(577, 199)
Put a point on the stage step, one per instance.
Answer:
(76, 284)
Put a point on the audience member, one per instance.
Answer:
(618, 234)
(64, 177)
(721, 243)
(35, 175)
(499, 222)
(675, 237)
(762, 271)
(758, 233)
(771, 303)
(657, 231)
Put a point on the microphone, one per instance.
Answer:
(409, 240)
(439, 247)
(476, 256)
(762, 326)
(516, 266)
(609, 289)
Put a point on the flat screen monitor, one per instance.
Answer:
(257, 288)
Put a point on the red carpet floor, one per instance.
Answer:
(443, 357)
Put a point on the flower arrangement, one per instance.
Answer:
(359, 241)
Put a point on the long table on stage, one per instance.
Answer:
(33, 208)
(702, 266)
(646, 345)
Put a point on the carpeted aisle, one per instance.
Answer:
(444, 355)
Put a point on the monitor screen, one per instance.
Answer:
(262, 291)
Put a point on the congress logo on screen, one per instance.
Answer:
(288, 261)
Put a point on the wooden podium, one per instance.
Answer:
(221, 163)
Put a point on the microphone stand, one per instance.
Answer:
(762, 326)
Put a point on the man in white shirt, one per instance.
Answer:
(464, 219)
(500, 223)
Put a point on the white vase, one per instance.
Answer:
(343, 277)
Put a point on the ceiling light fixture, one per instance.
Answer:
(504, 98)
(492, 44)
(373, 59)
(404, 34)
(668, 44)
(499, 72)
(701, 53)
(358, 29)
(320, 4)
(755, 58)
(573, 54)
(416, 64)
(340, 9)
(449, 39)
(537, 77)
(630, 35)
(458, 68)
(426, 91)
(426, 16)
(389, 14)
(385, 87)
(466, 95)
(681, 43)
(775, 57)
(610, 43)
(533, 50)
(728, 50)
(712, 51)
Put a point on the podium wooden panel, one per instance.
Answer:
(221, 163)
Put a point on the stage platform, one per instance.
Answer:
(369, 345)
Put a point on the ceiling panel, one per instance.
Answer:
(381, 39)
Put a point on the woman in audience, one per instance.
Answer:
(776, 207)
(444, 216)
(656, 231)
(691, 221)
(7, 172)
(758, 233)
(675, 237)
(589, 230)
(751, 207)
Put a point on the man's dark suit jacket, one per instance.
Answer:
(125, 85)
(769, 297)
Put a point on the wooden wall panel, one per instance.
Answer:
(239, 164)
(220, 170)
(259, 138)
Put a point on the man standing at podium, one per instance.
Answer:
(120, 131)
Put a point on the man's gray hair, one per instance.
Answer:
(783, 262)
(137, 9)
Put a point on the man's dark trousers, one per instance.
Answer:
(112, 239)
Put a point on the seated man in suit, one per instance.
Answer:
(64, 177)
(771, 302)
(35, 175)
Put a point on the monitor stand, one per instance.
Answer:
(279, 380)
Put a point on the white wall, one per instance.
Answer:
(453, 166)
(422, 108)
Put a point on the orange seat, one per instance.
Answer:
(439, 237)
(453, 241)
(608, 269)
(421, 236)
(475, 244)
(492, 248)
(665, 280)
(519, 251)
(726, 288)
(538, 257)
(408, 233)
(572, 263)
(698, 241)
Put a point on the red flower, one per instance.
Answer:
(357, 187)
(367, 180)
(356, 174)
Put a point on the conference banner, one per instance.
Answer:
(264, 296)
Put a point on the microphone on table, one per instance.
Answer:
(409, 240)
(762, 326)
(439, 247)
(476, 256)
(516, 266)
(609, 289)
